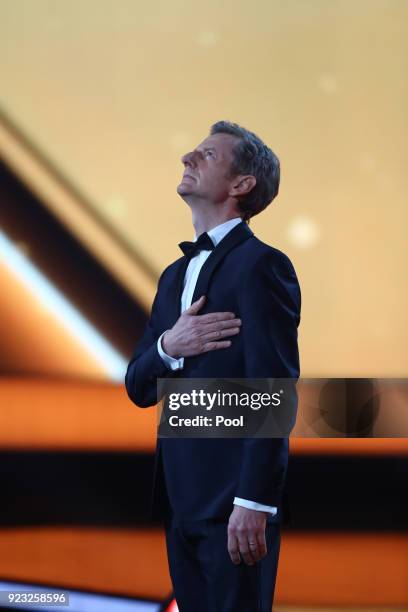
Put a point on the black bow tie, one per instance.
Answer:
(204, 243)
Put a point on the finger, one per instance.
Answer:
(212, 346)
(262, 548)
(254, 548)
(195, 306)
(244, 550)
(257, 543)
(233, 548)
(212, 327)
(221, 333)
(212, 317)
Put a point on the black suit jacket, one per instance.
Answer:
(199, 478)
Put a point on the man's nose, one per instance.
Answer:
(189, 158)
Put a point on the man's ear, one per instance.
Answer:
(242, 185)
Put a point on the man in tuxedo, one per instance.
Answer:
(228, 308)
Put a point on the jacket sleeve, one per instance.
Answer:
(146, 365)
(270, 312)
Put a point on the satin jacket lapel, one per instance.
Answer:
(237, 235)
(174, 304)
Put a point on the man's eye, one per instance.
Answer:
(209, 152)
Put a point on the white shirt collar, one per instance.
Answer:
(218, 232)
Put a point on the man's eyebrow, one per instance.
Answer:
(208, 149)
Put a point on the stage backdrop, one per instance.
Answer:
(113, 93)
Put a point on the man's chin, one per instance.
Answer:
(183, 190)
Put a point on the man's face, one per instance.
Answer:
(206, 169)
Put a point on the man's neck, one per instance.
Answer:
(204, 223)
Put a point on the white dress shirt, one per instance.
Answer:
(190, 279)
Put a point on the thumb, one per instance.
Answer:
(195, 306)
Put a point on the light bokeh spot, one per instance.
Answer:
(303, 232)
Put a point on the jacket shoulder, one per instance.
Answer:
(268, 262)
(260, 251)
(170, 268)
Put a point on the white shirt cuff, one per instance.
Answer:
(238, 501)
(171, 362)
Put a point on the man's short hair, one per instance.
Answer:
(252, 156)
